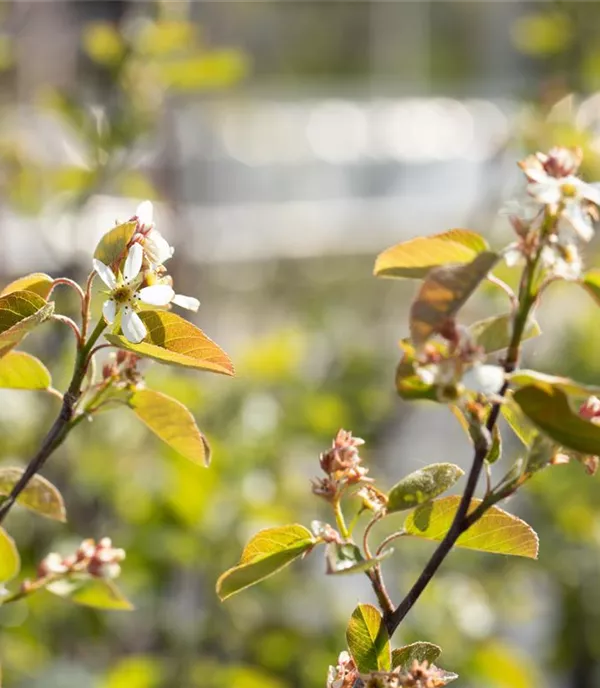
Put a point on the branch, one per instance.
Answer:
(61, 426)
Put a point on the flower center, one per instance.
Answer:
(122, 294)
(569, 190)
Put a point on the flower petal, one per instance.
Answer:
(579, 220)
(132, 326)
(546, 192)
(485, 379)
(105, 273)
(145, 213)
(189, 302)
(156, 295)
(133, 262)
(109, 311)
(157, 247)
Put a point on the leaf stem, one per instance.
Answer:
(61, 426)
(339, 519)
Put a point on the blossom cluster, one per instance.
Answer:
(420, 675)
(140, 279)
(342, 466)
(121, 369)
(559, 213)
(99, 559)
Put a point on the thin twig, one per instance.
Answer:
(388, 539)
(69, 283)
(70, 323)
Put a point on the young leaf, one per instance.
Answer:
(10, 561)
(268, 551)
(368, 640)
(415, 258)
(445, 677)
(524, 378)
(20, 312)
(539, 456)
(40, 495)
(496, 531)
(549, 409)
(423, 485)
(91, 592)
(19, 370)
(175, 341)
(493, 334)
(420, 651)
(38, 282)
(408, 384)
(495, 451)
(172, 422)
(518, 421)
(444, 292)
(113, 244)
(591, 282)
(346, 558)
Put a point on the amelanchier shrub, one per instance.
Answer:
(137, 320)
(474, 370)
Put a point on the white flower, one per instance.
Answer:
(484, 379)
(53, 563)
(563, 260)
(156, 247)
(189, 302)
(125, 297)
(513, 255)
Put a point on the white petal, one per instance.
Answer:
(132, 325)
(145, 213)
(513, 256)
(159, 247)
(545, 193)
(109, 311)
(156, 295)
(592, 192)
(485, 379)
(188, 302)
(580, 221)
(133, 262)
(105, 274)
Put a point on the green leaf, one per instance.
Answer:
(368, 640)
(423, 485)
(10, 561)
(20, 312)
(549, 409)
(495, 451)
(518, 421)
(19, 370)
(38, 282)
(170, 420)
(113, 245)
(539, 456)
(268, 551)
(442, 294)
(91, 592)
(524, 378)
(591, 282)
(497, 531)
(415, 258)
(175, 341)
(421, 652)
(408, 384)
(40, 495)
(494, 334)
(346, 558)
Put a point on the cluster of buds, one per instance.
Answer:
(100, 560)
(420, 675)
(121, 369)
(341, 464)
(560, 213)
(344, 674)
(458, 370)
(590, 411)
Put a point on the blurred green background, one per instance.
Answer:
(285, 144)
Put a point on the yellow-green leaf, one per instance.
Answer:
(91, 592)
(415, 258)
(20, 312)
(549, 409)
(346, 558)
(497, 531)
(175, 341)
(518, 421)
(444, 292)
(267, 552)
(423, 485)
(10, 562)
(591, 281)
(113, 244)
(19, 370)
(38, 282)
(40, 495)
(368, 640)
(493, 334)
(419, 651)
(525, 378)
(170, 420)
